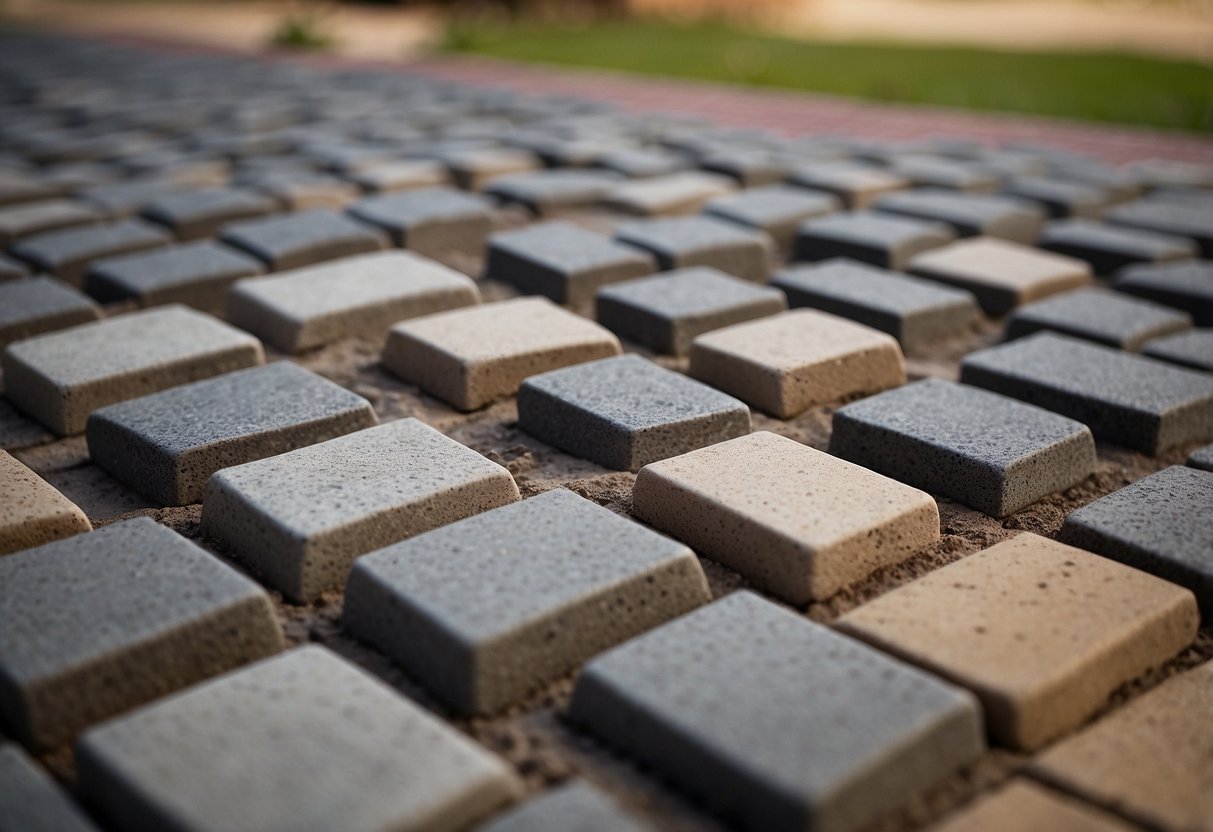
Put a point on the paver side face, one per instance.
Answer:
(32, 801)
(1095, 625)
(305, 741)
(1098, 315)
(795, 521)
(1024, 806)
(35, 305)
(32, 512)
(834, 735)
(195, 274)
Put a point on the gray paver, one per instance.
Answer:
(1159, 524)
(191, 215)
(1109, 247)
(570, 807)
(969, 215)
(11, 269)
(1098, 315)
(832, 736)
(31, 800)
(1138, 402)
(29, 218)
(1193, 348)
(1060, 198)
(1202, 458)
(302, 239)
(167, 444)
(857, 185)
(35, 305)
(66, 254)
(430, 221)
(557, 579)
(127, 198)
(678, 242)
(879, 239)
(643, 163)
(1166, 217)
(546, 191)
(196, 274)
(402, 175)
(303, 741)
(958, 175)
(300, 519)
(685, 192)
(59, 378)
(990, 452)
(21, 186)
(775, 209)
(472, 169)
(101, 622)
(915, 312)
(1187, 286)
(32, 512)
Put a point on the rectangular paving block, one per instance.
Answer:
(99, 623)
(796, 522)
(1159, 523)
(1093, 625)
(307, 191)
(196, 274)
(401, 175)
(1137, 402)
(474, 356)
(1166, 217)
(857, 185)
(915, 312)
(29, 218)
(356, 296)
(66, 254)
(679, 242)
(644, 163)
(59, 378)
(570, 806)
(32, 512)
(487, 609)
(32, 801)
(1098, 315)
(1109, 247)
(167, 444)
(548, 191)
(987, 451)
(1024, 806)
(194, 214)
(685, 192)
(880, 239)
(34, 305)
(297, 240)
(303, 741)
(786, 363)
(563, 262)
(1061, 199)
(752, 169)
(11, 269)
(1149, 760)
(969, 214)
(667, 311)
(299, 519)
(472, 169)
(1001, 274)
(774, 209)
(774, 721)
(429, 221)
(1187, 286)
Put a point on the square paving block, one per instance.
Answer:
(557, 579)
(300, 519)
(473, 169)
(192, 215)
(776, 722)
(11, 269)
(304, 741)
(1159, 523)
(775, 209)
(1149, 759)
(797, 522)
(563, 262)
(1059, 198)
(1193, 348)
(66, 254)
(879, 239)
(685, 192)
(429, 221)
(679, 242)
(59, 378)
(355, 296)
(167, 444)
(969, 215)
(34, 305)
(472, 357)
(786, 363)
(1187, 286)
(987, 451)
(857, 185)
(402, 175)
(302, 239)
(196, 274)
(99, 623)
(915, 312)
(570, 807)
(1098, 315)
(1109, 247)
(1137, 402)
(32, 512)
(29, 218)
(626, 412)
(1024, 806)
(1042, 632)
(545, 191)
(1166, 217)
(667, 311)
(32, 801)
(1001, 274)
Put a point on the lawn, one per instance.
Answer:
(1095, 86)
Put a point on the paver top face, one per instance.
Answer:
(1023, 806)
(1000, 262)
(671, 236)
(53, 248)
(698, 290)
(32, 801)
(206, 203)
(409, 208)
(773, 203)
(869, 286)
(564, 247)
(870, 228)
(1162, 215)
(1101, 315)
(1194, 277)
(1129, 241)
(570, 807)
(790, 340)
(35, 297)
(955, 206)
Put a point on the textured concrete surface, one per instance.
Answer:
(302, 239)
(1166, 217)
(880, 239)
(856, 185)
(679, 242)
(775, 209)
(1187, 285)
(32, 801)
(66, 254)
(1193, 349)
(573, 807)
(32, 306)
(969, 214)
(1109, 248)
(429, 221)
(1098, 315)
(1025, 806)
(32, 512)
(192, 215)
(195, 274)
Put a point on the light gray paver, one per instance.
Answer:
(34, 305)
(196, 274)
(879, 239)
(1099, 315)
(402, 175)
(678, 242)
(31, 801)
(194, 214)
(66, 254)
(1187, 286)
(775, 209)
(685, 192)
(302, 239)
(429, 221)
(1060, 198)
(11, 269)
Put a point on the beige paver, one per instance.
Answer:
(685, 192)
(1042, 632)
(857, 185)
(32, 512)
(470, 357)
(1151, 760)
(786, 363)
(1024, 806)
(795, 521)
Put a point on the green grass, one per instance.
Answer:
(1094, 86)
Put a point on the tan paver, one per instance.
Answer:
(1024, 806)
(32, 512)
(1042, 632)
(470, 357)
(685, 192)
(795, 521)
(786, 363)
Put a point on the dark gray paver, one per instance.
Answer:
(1109, 247)
(196, 274)
(857, 185)
(35, 305)
(557, 579)
(66, 254)
(987, 451)
(430, 221)
(191, 215)
(1159, 524)
(879, 239)
(570, 807)
(23, 186)
(30, 801)
(1187, 286)
(678, 242)
(545, 191)
(915, 312)
(302, 239)
(969, 215)
(300, 519)
(101, 622)
(665, 312)
(1060, 198)
(167, 444)
(775, 209)
(1166, 217)
(775, 721)
(29, 218)
(59, 378)
(127, 198)
(1098, 315)
(1193, 348)
(308, 191)
(11, 269)
(1202, 458)
(626, 412)
(1138, 402)
(303, 741)
(32, 512)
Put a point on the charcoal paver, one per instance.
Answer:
(857, 185)
(66, 254)
(1024, 806)
(969, 215)
(569, 807)
(429, 221)
(685, 192)
(1098, 315)
(679, 242)
(32, 801)
(298, 240)
(194, 214)
(775, 209)
(1166, 217)
(29, 218)
(1187, 286)
(549, 191)
(197, 274)
(32, 306)
(32, 512)
(870, 237)
(1109, 248)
